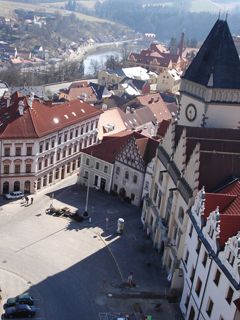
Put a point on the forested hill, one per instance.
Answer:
(164, 21)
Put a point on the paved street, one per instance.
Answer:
(76, 270)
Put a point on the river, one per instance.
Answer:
(98, 59)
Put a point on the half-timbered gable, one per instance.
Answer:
(130, 155)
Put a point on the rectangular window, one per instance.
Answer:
(51, 160)
(204, 260)
(117, 170)
(46, 163)
(190, 231)
(17, 168)
(217, 277)
(65, 137)
(71, 135)
(6, 151)
(75, 148)
(198, 246)
(198, 286)
(28, 168)
(59, 139)
(87, 126)
(187, 302)
(82, 130)
(40, 148)
(47, 145)
(53, 143)
(6, 169)
(29, 151)
(192, 274)
(64, 153)
(229, 295)
(155, 192)
(40, 165)
(186, 257)
(69, 151)
(76, 133)
(209, 307)
(92, 124)
(105, 169)
(135, 178)
(58, 155)
(87, 162)
(97, 165)
(191, 314)
(18, 151)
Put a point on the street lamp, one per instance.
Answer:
(87, 196)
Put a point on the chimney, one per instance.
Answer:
(104, 107)
(20, 107)
(181, 45)
(30, 100)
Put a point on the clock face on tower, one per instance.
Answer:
(191, 112)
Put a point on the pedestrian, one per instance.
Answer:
(31, 200)
(27, 199)
(107, 220)
(130, 279)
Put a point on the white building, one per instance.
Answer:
(118, 164)
(210, 95)
(40, 142)
(211, 257)
(187, 159)
(168, 81)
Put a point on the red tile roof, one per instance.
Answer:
(42, 118)
(112, 145)
(228, 202)
(214, 200)
(219, 153)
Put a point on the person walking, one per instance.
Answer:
(26, 199)
(31, 200)
(130, 279)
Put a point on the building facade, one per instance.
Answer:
(210, 261)
(41, 142)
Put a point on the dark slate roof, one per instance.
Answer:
(217, 63)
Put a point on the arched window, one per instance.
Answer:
(39, 183)
(27, 186)
(16, 186)
(5, 187)
(181, 214)
(44, 181)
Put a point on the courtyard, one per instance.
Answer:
(78, 270)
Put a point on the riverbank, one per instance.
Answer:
(90, 49)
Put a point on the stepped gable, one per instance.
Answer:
(217, 63)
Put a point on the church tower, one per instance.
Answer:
(210, 87)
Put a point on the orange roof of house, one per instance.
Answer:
(156, 104)
(228, 202)
(112, 145)
(42, 118)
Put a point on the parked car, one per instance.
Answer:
(24, 298)
(20, 311)
(14, 195)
